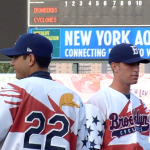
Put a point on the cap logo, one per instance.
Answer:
(135, 50)
(29, 50)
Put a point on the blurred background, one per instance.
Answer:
(55, 16)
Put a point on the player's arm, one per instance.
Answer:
(95, 122)
(9, 103)
(82, 140)
(5, 118)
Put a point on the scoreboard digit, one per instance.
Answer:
(88, 12)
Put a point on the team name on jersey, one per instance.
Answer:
(121, 126)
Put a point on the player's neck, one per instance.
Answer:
(123, 88)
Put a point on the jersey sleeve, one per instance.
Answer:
(6, 104)
(95, 124)
(82, 140)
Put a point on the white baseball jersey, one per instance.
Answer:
(41, 114)
(116, 123)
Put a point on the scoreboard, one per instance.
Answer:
(46, 13)
(88, 29)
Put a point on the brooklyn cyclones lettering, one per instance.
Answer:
(121, 126)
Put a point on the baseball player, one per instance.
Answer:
(37, 113)
(117, 119)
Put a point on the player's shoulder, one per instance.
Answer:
(99, 97)
(106, 96)
(135, 100)
(133, 96)
(51, 87)
(9, 84)
(101, 93)
(18, 82)
(35, 81)
(64, 91)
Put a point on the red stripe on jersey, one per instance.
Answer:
(12, 103)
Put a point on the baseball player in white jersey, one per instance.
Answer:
(117, 119)
(37, 113)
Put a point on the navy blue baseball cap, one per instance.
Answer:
(126, 53)
(29, 43)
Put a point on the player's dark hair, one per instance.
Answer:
(41, 61)
(25, 56)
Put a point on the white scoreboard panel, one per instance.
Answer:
(88, 12)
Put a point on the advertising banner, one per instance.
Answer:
(94, 43)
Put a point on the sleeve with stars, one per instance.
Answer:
(95, 124)
(82, 137)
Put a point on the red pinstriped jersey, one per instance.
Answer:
(41, 114)
(119, 123)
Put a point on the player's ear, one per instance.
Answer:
(114, 67)
(31, 60)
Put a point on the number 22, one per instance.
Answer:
(37, 130)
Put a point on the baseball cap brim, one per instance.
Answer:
(10, 52)
(134, 60)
